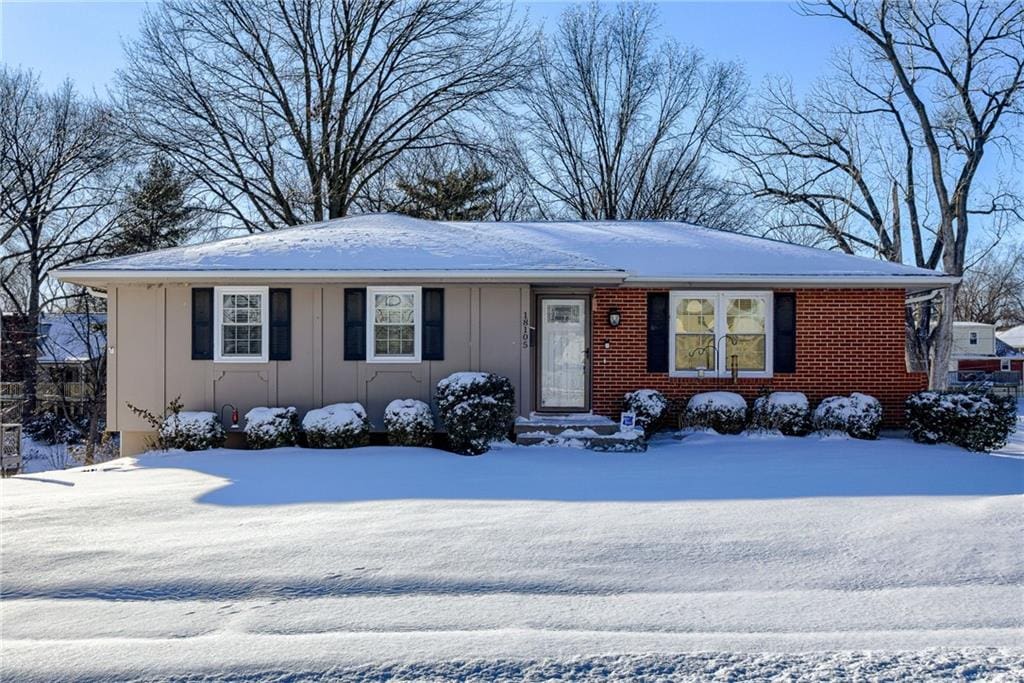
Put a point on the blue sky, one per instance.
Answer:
(82, 40)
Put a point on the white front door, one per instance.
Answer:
(563, 354)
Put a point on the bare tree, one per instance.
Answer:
(993, 290)
(887, 150)
(622, 124)
(57, 182)
(78, 367)
(287, 110)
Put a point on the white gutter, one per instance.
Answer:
(921, 298)
(601, 276)
(71, 274)
(838, 279)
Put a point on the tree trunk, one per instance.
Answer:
(917, 337)
(942, 342)
(30, 379)
(92, 437)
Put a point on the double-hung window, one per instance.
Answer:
(240, 329)
(714, 331)
(393, 335)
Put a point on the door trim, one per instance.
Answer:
(538, 299)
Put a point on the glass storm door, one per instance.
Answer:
(563, 354)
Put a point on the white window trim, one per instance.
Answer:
(417, 292)
(1005, 365)
(721, 368)
(218, 327)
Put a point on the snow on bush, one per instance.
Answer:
(857, 415)
(339, 425)
(867, 417)
(476, 408)
(409, 423)
(975, 421)
(192, 431)
(271, 427)
(650, 407)
(721, 411)
(786, 412)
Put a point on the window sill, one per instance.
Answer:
(708, 375)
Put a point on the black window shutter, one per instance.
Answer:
(433, 324)
(202, 323)
(784, 326)
(355, 324)
(657, 332)
(280, 324)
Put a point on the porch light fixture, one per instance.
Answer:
(614, 317)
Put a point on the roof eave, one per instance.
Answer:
(83, 276)
(898, 281)
(90, 277)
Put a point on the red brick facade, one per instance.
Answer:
(988, 365)
(847, 340)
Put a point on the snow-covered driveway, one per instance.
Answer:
(714, 556)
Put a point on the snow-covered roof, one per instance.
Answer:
(391, 245)
(67, 337)
(1013, 336)
(1004, 350)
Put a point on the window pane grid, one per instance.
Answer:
(394, 325)
(695, 352)
(242, 325)
(715, 331)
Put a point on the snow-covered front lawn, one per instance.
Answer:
(702, 558)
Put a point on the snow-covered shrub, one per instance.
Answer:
(476, 408)
(722, 411)
(271, 427)
(975, 421)
(409, 423)
(339, 425)
(857, 415)
(783, 411)
(649, 405)
(53, 428)
(192, 431)
(177, 428)
(867, 417)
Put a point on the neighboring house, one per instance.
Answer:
(972, 339)
(977, 349)
(66, 343)
(576, 314)
(70, 341)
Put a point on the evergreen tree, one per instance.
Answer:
(464, 194)
(155, 212)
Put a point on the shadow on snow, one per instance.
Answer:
(700, 467)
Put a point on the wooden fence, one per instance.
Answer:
(10, 449)
(49, 391)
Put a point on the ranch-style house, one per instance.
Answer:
(377, 307)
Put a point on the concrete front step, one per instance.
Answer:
(556, 424)
(595, 442)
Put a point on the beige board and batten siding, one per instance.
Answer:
(150, 353)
